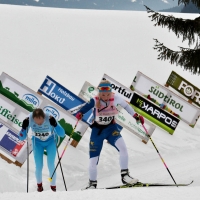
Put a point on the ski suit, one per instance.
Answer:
(104, 127)
(43, 137)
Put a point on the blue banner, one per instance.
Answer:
(9, 140)
(64, 98)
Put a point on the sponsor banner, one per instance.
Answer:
(10, 145)
(153, 113)
(88, 91)
(14, 92)
(184, 87)
(165, 99)
(64, 98)
(11, 113)
(127, 121)
(123, 118)
(117, 87)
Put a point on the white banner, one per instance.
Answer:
(165, 99)
(28, 99)
(123, 118)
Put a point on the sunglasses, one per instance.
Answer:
(104, 88)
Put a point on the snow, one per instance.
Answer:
(74, 46)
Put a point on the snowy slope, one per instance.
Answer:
(73, 46)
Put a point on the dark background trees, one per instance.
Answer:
(187, 29)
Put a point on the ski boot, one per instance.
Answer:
(40, 187)
(126, 178)
(91, 185)
(53, 188)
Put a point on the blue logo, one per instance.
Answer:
(52, 111)
(47, 86)
(31, 99)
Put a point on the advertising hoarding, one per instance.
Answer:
(129, 96)
(13, 150)
(64, 98)
(13, 90)
(153, 113)
(184, 87)
(165, 99)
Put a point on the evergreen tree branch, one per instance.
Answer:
(185, 2)
(186, 28)
(187, 58)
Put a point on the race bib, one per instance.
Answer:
(104, 120)
(42, 136)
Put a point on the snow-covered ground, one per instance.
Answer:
(74, 46)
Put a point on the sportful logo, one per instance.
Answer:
(189, 91)
(120, 90)
(6, 113)
(48, 86)
(52, 111)
(31, 99)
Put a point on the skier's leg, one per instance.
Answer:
(51, 155)
(123, 153)
(117, 141)
(95, 146)
(38, 151)
(93, 168)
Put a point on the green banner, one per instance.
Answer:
(184, 87)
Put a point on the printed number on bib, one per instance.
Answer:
(42, 136)
(105, 120)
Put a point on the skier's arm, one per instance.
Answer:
(124, 104)
(57, 127)
(85, 109)
(87, 106)
(25, 127)
(128, 108)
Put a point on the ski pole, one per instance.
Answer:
(60, 162)
(27, 159)
(159, 153)
(50, 179)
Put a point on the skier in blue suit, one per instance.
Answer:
(104, 127)
(44, 129)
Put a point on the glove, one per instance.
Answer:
(79, 116)
(138, 118)
(52, 121)
(25, 123)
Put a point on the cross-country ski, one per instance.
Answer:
(139, 184)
